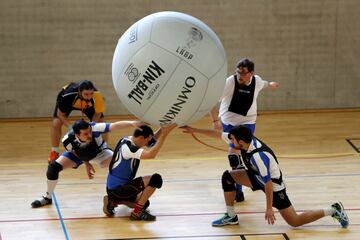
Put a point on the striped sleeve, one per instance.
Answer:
(100, 127)
(67, 142)
(261, 161)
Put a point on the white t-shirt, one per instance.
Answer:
(235, 119)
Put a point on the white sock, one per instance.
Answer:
(230, 211)
(329, 211)
(51, 184)
(56, 149)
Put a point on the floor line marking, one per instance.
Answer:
(60, 217)
(159, 215)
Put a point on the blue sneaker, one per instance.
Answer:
(340, 214)
(225, 220)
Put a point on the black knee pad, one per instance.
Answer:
(227, 181)
(156, 181)
(234, 160)
(53, 170)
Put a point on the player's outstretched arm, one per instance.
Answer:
(274, 85)
(123, 124)
(206, 132)
(214, 117)
(163, 133)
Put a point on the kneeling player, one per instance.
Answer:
(122, 186)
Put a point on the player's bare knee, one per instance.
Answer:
(57, 123)
(53, 171)
(228, 182)
(156, 181)
(294, 222)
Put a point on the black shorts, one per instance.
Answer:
(89, 112)
(127, 192)
(280, 198)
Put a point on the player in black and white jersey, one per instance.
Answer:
(123, 187)
(84, 144)
(263, 173)
(238, 106)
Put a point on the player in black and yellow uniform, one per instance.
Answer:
(82, 96)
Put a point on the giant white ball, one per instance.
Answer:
(169, 67)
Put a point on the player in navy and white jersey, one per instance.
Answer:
(238, 106)
(263, 173)
(84, 144)
(123, 187)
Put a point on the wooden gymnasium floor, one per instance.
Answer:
(318, 153)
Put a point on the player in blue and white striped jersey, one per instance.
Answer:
(263, 173)
(84, 144)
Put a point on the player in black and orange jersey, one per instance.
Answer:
(82, 96)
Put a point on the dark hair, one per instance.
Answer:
(80, 125)
(241, 133)
(86, 85)
(143, 130)
(246, 63)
